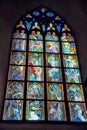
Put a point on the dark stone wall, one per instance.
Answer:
(73, 11)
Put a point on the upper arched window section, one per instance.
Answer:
(44, 81)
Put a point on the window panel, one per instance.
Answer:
(72, 75)
(53, 60)
(52, 47)
(56, 111)
(35, 73)
(35, 90)
(54, 75)
(75, 92)
(35, 110)
(78, 112)
(13, 110)
(70, 61)
(67, 37)
(55, 91)
(18, 58)
(35, 59)
(19, 34)
(16, 73)
(19, 45)
(15, 90)
(68, 48)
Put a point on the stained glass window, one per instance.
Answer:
(44, 81)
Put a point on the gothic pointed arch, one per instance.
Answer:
(44, 81)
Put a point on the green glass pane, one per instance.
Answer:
(35, 36)
(35, 110)
(19, 45)
(72, 75)
(68, 48)
(70, 61)
(18, 58)
(35, 90)
(35, 46)
(52, 37)
(67, 37)
(35, 59)
(54, 75)
(52, 47)
(13, 110)
(74, 92)
(56, 111)
(55, 91)
(15, 90)
(35, 73)
(16, 73)
(53, 60)
(19, 34)
(78, 112)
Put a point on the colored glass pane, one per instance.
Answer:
(66, 28)
(19, 34)
(68, 48)
(54, 75)
(13, 110)
(35, 73)
(18, 58)
(55, 91)
(35, 90)
(35, 59)
(52, 47)
(35, 110)
(72, 75)
(75, 92)
(70, 61)
(16, 73)
(35, 46)
(15, 90)
(18, 45)
(67, 37)
(35, 36)
(78, 112)
(52, 37)
(53, 60)
(56, 111)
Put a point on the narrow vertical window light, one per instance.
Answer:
(44, 80)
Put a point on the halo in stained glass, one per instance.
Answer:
(35, 59)
(15, 90)
(19, 34)
(19, 45)
(56, 111)
(70, 61)
(68, 48)
(55, 91)
(35, 90)
(16, 73)
(52, 47)
(53, 60)
(72, 76)
(13, 110)
(54, 75)
(67, 37)
(74, 92)
(18, 58)
(78, 112)
(35, 110)
(35, 73)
